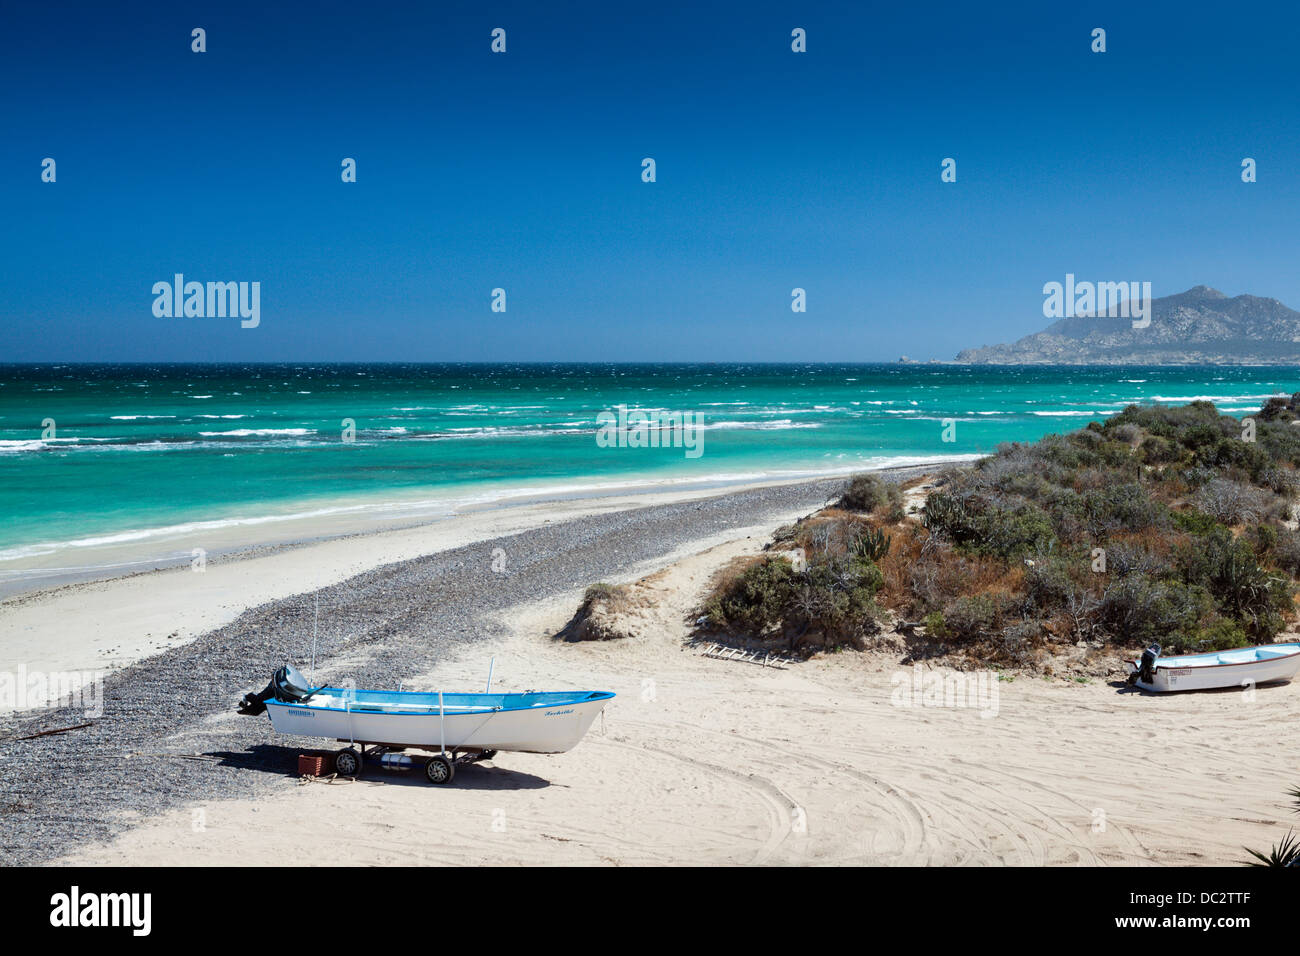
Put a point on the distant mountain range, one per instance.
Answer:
(1199, 326)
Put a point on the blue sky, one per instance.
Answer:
(775, 170)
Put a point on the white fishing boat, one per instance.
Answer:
(1239, 667)
(458, 728)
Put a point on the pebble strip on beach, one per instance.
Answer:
(169, 735)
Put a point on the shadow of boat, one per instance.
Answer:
(1123, 687)
(283, 761)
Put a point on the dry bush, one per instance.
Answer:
(1234, 502)
(936, 579)
(601, 615)
(868, 493)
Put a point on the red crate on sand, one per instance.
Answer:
(313, 765)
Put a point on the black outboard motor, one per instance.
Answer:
(286, 685)
(1146, 671)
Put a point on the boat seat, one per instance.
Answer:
(1238, 657)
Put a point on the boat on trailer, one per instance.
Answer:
(456, 728)
(1238, 667)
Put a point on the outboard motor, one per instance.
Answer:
(287, 684)
(1146, 671)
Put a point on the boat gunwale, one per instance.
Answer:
(594, 695)
(1164, 661)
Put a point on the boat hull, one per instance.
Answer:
(1182, 674)
(544, 727)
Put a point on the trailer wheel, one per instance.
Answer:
(439, 769)
(347, 762)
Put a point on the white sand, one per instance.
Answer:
(710, 762)
(101, 626)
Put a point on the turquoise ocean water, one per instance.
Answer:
(163, 454)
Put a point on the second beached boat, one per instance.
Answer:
(1239, 667)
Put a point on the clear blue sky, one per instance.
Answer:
(522, 170)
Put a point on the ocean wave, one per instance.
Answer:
(1091, 414)
(33, 444)
(1217, 398)
(783, 424)
(258, 432)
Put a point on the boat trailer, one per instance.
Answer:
(440, 766)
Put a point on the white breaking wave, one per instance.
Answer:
(1217, 398)
(782, 424)
(1072, 414)
(250, 432)
(34, 444)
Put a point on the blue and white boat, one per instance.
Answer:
(458, 728)
(1238, 667)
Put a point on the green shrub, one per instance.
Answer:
(971, 616)
(1048, 584)
(1250, 594)
(1263, 538)
(872, 544)
(756, 600)
(1140, 609)
(1018, 530)
(935, 626)
(949, 518)
(868, 493)
(1196, 522)
(833, 599)
(1280, 440)
(1003, 528)
(1156, 450)
(1120, 507)
(1285, 552)
(1220, 634)
(836, 600)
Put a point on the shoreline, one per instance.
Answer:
(121, 553)
(829, 770)
(381, 626)
(109, 623)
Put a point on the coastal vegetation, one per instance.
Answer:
(1161, 524)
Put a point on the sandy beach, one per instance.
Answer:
(697, 760)
(716, 762)
(108, 624)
